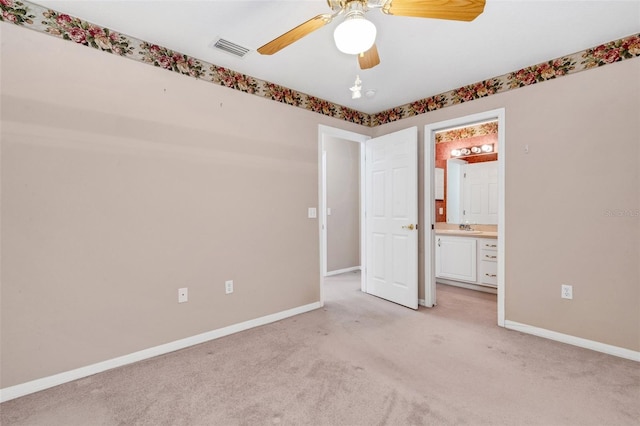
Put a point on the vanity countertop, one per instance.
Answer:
(461, 233)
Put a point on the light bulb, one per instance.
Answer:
(355, 34)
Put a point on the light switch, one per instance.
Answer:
(328, 211)
(183, 295)
(441, 210)
(312, 213)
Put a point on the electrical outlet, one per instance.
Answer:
(228, 287)
(566, 291)
(183, 295)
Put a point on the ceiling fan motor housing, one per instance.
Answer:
(336, 5)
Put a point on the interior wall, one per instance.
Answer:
(122, 183)
(572, 201)
(343, 198)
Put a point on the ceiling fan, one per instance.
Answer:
(356, 35)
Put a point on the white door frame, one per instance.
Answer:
(429, 204)
(324, 132)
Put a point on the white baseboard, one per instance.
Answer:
(22, 389)
(342, 271)
(573, 340)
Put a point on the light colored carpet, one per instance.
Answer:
(358, 361)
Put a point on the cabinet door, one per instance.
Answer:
(456, 258)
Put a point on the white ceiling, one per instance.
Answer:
(419, 57)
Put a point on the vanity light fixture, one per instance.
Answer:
(479, 149)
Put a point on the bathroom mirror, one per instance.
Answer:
(466, 165)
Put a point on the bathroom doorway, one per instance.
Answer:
(459, 147)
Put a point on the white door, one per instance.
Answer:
(480, 192)
(392, 217)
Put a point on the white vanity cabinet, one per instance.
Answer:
(467, 260)
(456, 258)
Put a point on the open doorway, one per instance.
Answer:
(389, 194)
(340, 140)
(464, 203)
(341, 160)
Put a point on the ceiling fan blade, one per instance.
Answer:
(369, 59)
(295, 34)
(456, 10)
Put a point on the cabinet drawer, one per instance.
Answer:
(489, 272)
(489, 244)
(489, 256)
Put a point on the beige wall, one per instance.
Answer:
(562, 199)
(343, 197)
(122, 183)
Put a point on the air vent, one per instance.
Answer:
(231, 47)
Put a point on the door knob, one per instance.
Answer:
(409, 227)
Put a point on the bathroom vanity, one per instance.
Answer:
(467, 259)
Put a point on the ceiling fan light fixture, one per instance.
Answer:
(355, 34)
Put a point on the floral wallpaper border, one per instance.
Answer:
(29, 15)
(605, 54)
(483, 129)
